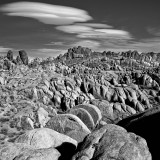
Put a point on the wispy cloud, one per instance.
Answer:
(94, 45)
(4, 49)
(143, 45)
(75, 29)
(55, 44)
(94, 33)
(46, 13)
(96, 25)
(46, 52)
(153, 31)
(148, 45)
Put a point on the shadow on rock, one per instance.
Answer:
(146, 125)
(67, 150)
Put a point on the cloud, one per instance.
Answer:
(56, 44)
(100, 35)
(96, 25)
(46, 52)
(3, 49)
(94, 33)
(46, 13)
(87, 43)
(106, 34)
(112, 31)
(143, 45)
(153, 31)
(74, 29)
(148, 45)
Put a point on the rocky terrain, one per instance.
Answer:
(73, 107)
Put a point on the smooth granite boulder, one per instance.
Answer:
(112, 142)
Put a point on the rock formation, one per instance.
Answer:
(48, 105)
(24, 57)
(112, 142)
(144, 124)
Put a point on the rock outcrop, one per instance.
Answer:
(70, 125)
(112, 142)
(24, 57)
(77, 94)
(144, 124)
(10, 55)
(43, 143)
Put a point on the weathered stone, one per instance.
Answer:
(42, 117)
(24, 57)
(85, 116)
(130, 110)
(93, 110)
(70, 125)
(106, 110)
(44, 138)
(144, 124)
(10, 55)
(18, 151)
(27, 123)
(113, 142)
(139, 107)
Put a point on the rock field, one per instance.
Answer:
(73, 107)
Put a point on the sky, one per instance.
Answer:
(47, 28)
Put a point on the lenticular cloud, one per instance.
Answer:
(94, 33)
(46, 13)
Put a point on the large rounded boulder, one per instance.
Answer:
(70, 125)
(145, 124)
(112, 142)
(84, 116)
(18, 151)
(44, 138)
(93, 110)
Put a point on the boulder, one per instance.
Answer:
(42, 117)
(27, 123)
(18, 151)
(112, 142)
(139, 107)
(132, 93)
(7, 64)
(85, 116)
(93, 110)
(18, 60)
(104, 90)
(115, 97)
(2, 80)
(70, 125)
(112, 111)
(153, 93)
(24, 57)
(145, 125)
(121, 92)
(130, 110)
(105, 108)
(109, 94)
(44, 138)
(10, 55)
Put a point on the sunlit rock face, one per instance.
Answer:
(79, 96)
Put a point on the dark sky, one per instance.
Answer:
(49, 27)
